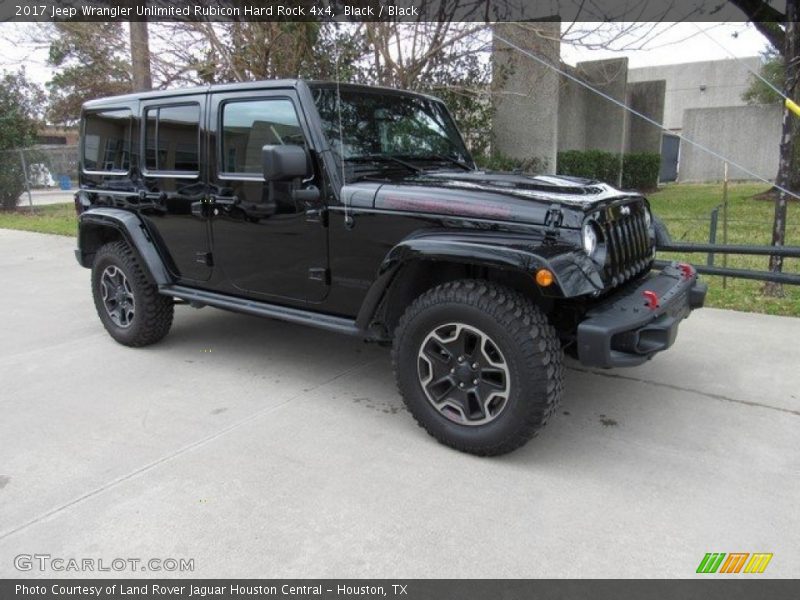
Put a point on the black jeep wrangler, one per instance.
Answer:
(360, 210)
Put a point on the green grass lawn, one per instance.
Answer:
(686, 210)
(52, 218)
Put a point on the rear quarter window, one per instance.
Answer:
(107, 141)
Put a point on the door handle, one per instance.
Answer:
(224, 200)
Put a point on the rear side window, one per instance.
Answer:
(107, 141)
(249, 125)
(172, 139)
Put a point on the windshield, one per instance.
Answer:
(385, 131)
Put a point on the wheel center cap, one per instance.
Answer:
(465, 373)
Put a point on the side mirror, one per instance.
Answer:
(285, 162)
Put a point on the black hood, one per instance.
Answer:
(489, 195)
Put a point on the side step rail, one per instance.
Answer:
(262, 309)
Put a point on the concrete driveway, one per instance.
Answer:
(259, 448)
(41, 197)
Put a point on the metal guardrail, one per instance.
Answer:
(712, 249)
(688, 247)
(787, 278)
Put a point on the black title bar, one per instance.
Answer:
(369, 10)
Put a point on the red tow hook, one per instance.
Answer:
(651, 299)
(687, 270)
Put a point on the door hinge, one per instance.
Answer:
(205, 258)
(320, 274)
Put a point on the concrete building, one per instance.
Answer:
(539, 112)
(707, 84)
(703, 102)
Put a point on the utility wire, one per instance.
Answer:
(643, 116)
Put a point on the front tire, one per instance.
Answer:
(129, 306)
(478, 365)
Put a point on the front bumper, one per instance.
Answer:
(630, 327)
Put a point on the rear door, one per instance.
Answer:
(175, 182)
(269, 242)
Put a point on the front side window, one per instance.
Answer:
(171, 140)
(107, 141)
(249, 125)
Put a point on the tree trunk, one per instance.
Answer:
(784, 178)
(140, 56)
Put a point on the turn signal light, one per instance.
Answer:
(544, 277)
(686, 269)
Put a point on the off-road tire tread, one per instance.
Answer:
(154, 310)
(535, 337)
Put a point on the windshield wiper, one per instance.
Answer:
(384, 158)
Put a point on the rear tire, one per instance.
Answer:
(129, 306)
(478, 365)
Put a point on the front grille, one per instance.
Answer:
(628, 247)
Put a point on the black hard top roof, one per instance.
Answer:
(238, 86)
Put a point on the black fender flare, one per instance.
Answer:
(575, 273)
(131, 229)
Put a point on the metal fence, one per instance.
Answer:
(41, 171)
(704, 242)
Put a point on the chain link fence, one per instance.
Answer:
(41, 174)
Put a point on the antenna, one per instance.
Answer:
(348, 218)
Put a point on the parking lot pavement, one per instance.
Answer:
(263, 449)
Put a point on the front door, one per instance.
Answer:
(269, 241)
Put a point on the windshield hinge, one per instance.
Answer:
(553, 220)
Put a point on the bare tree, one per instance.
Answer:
(783, 33)
(140, 56)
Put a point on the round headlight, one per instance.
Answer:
(589, 238)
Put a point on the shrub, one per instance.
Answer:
(12, 180)
(591, 164)
(497, 161)
(640, 171)
(19, 102)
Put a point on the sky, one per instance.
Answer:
(668, 44)
(664, 43)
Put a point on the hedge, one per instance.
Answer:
(639, 169)
(497, 161)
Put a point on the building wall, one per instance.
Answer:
(525, 124)
(572, 116)
(724, 81)
(587, 121)
(748, 135)
(539, 112)
(646, 97)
